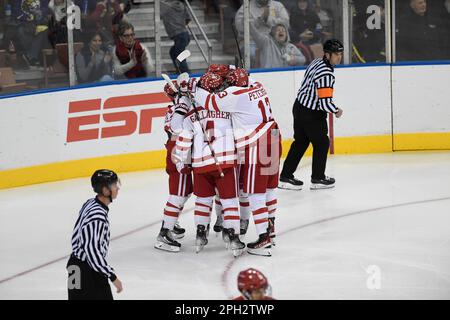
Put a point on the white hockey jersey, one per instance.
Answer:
(219, 131)
(250, 111)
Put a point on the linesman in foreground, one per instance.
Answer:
(314, 101)
(87, 268)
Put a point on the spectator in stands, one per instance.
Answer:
(58, 23)
(125, 5)
(369, 45)
(9, 41)
(289, 4)
(105, 19)
(31, 31)
(235, 4)
(92, 64)
(305, 24)
(130, 59)
(175, 17)
(58, 9)
(86, 7)
(215, 4)
(419, 34)
(119, 16)
(444, 14)
(326, 20)
(264, 14)
(275, 49)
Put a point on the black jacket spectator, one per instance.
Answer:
(419, 34)
(443, 10)
(304, 22)
(92, 63)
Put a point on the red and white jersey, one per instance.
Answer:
(250, 111)
(217, 125)
(169, 114)
(173, 121)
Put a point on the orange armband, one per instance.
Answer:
(325, 93)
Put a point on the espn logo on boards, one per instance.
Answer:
(130, 119)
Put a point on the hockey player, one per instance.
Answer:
(218, 226)
(219, 69)
(208, 132)
(259, 146)
(222, 70)
(253, 285)
(180, 184)
(244, 211)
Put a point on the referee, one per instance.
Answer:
(314, 101)
(88, 270)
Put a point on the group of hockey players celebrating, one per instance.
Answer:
(224, 146)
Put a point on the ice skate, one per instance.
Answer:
(272, 230)
(261, 247)
(207, 231)
(178, 232)
(244, 226)
(235, 244)
(290, 183)
(226, 238)
(218, 225)
(201, 240)
(325, 183)
(165, 242)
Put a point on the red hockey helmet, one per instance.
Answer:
(219, 69)
(237, 77)
(210, 81)
(169, 91)
(251, 279)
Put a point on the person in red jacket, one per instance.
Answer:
(131, 59)
(253, 285)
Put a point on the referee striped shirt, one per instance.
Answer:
(90, 238)
(316, 91)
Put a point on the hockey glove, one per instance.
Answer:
(183, 168)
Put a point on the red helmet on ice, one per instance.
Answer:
(219, 69)
(210, 81)
(237, 77)
(169, 91)
(251, 279)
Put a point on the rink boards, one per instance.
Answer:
(68, 133)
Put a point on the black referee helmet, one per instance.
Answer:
(333, 46)
(103, 178)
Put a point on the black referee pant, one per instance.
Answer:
(87, 284)
(310, 126)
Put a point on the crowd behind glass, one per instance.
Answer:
(283, 34)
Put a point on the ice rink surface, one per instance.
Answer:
(388, 216)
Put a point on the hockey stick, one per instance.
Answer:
(180, 58)
(241, 61)
(171, 85)
(183, 56)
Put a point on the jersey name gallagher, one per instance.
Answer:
(210, 114)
